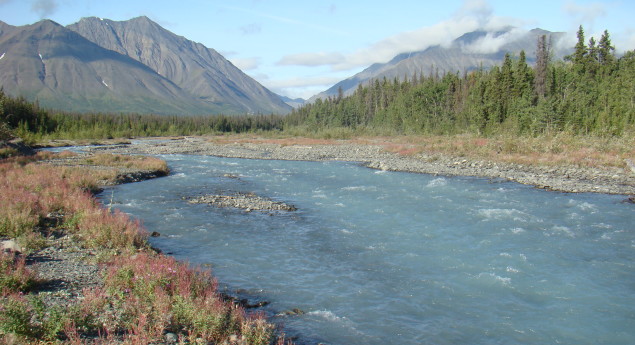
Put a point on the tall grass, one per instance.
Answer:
(548, 150)
(144, 295)
(14, 275)
(159, 294)
(125, 161)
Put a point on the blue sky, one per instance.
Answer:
(299, 48)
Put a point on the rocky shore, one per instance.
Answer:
(64, 268)
(245, 201)
(575, 179)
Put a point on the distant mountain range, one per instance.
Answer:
(478, 49)
(293, 102)
(100, 65)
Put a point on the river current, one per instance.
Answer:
(376, 257)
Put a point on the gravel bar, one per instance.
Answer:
(608, 180)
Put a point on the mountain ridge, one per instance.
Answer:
(62, 69)
(199, 70)
(448, 59)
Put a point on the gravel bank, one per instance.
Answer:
(609, 180)
(64, 268)
(245, 201)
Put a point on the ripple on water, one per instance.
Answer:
(433, 259)
(437, 182)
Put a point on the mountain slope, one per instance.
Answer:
(63, 70)
(478, 49)
(199, 70)
(294, 102)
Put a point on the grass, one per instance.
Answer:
(125, 161)
(6, 152)
(545, 150)
(14, 275)
(144, 295)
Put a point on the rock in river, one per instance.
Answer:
(246, 201)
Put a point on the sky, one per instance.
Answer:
(300, 48)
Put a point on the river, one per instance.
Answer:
(374, 257)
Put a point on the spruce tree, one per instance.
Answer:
(541, 67)
(605, 49)
(579, 56)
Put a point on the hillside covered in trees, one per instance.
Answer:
(27, 120)
(592, 92)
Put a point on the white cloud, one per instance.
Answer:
(44, 8)
(286, 20)
(304, 87)
(320, 81)
(584, 14)
(227, 53)
(623, 41)
(491, 43)
(472, 15)
(251, 29)
(246, 64)
(311, 59)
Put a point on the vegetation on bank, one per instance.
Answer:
(145, 294)
(590, 94)
(558, 149)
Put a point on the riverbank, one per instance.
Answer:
(74, 271)
(385, 155)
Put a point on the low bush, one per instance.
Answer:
(15, 277)
(145, 294)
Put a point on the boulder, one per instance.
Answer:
(11, 246)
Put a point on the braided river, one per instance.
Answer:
(374, 257)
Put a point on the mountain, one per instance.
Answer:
(64, 70)
(201, 71)
(295, 103)
(473, 50)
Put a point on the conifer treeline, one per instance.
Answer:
(26, 120)
(591, 93)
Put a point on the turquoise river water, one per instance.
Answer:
(377, 257)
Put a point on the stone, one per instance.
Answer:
(155, 234)
(171, 338)
(294, 311)
(11, 246)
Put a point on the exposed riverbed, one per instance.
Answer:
(611, 180)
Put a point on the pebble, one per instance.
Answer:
(171, 338)
(11, 246)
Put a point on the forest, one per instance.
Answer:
(592, 92)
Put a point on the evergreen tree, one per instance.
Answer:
(579, 56)
(541, 67)
(605, 50)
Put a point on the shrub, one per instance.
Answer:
(27, 318)
(168, 295)
(14, 276)
(15, 317)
